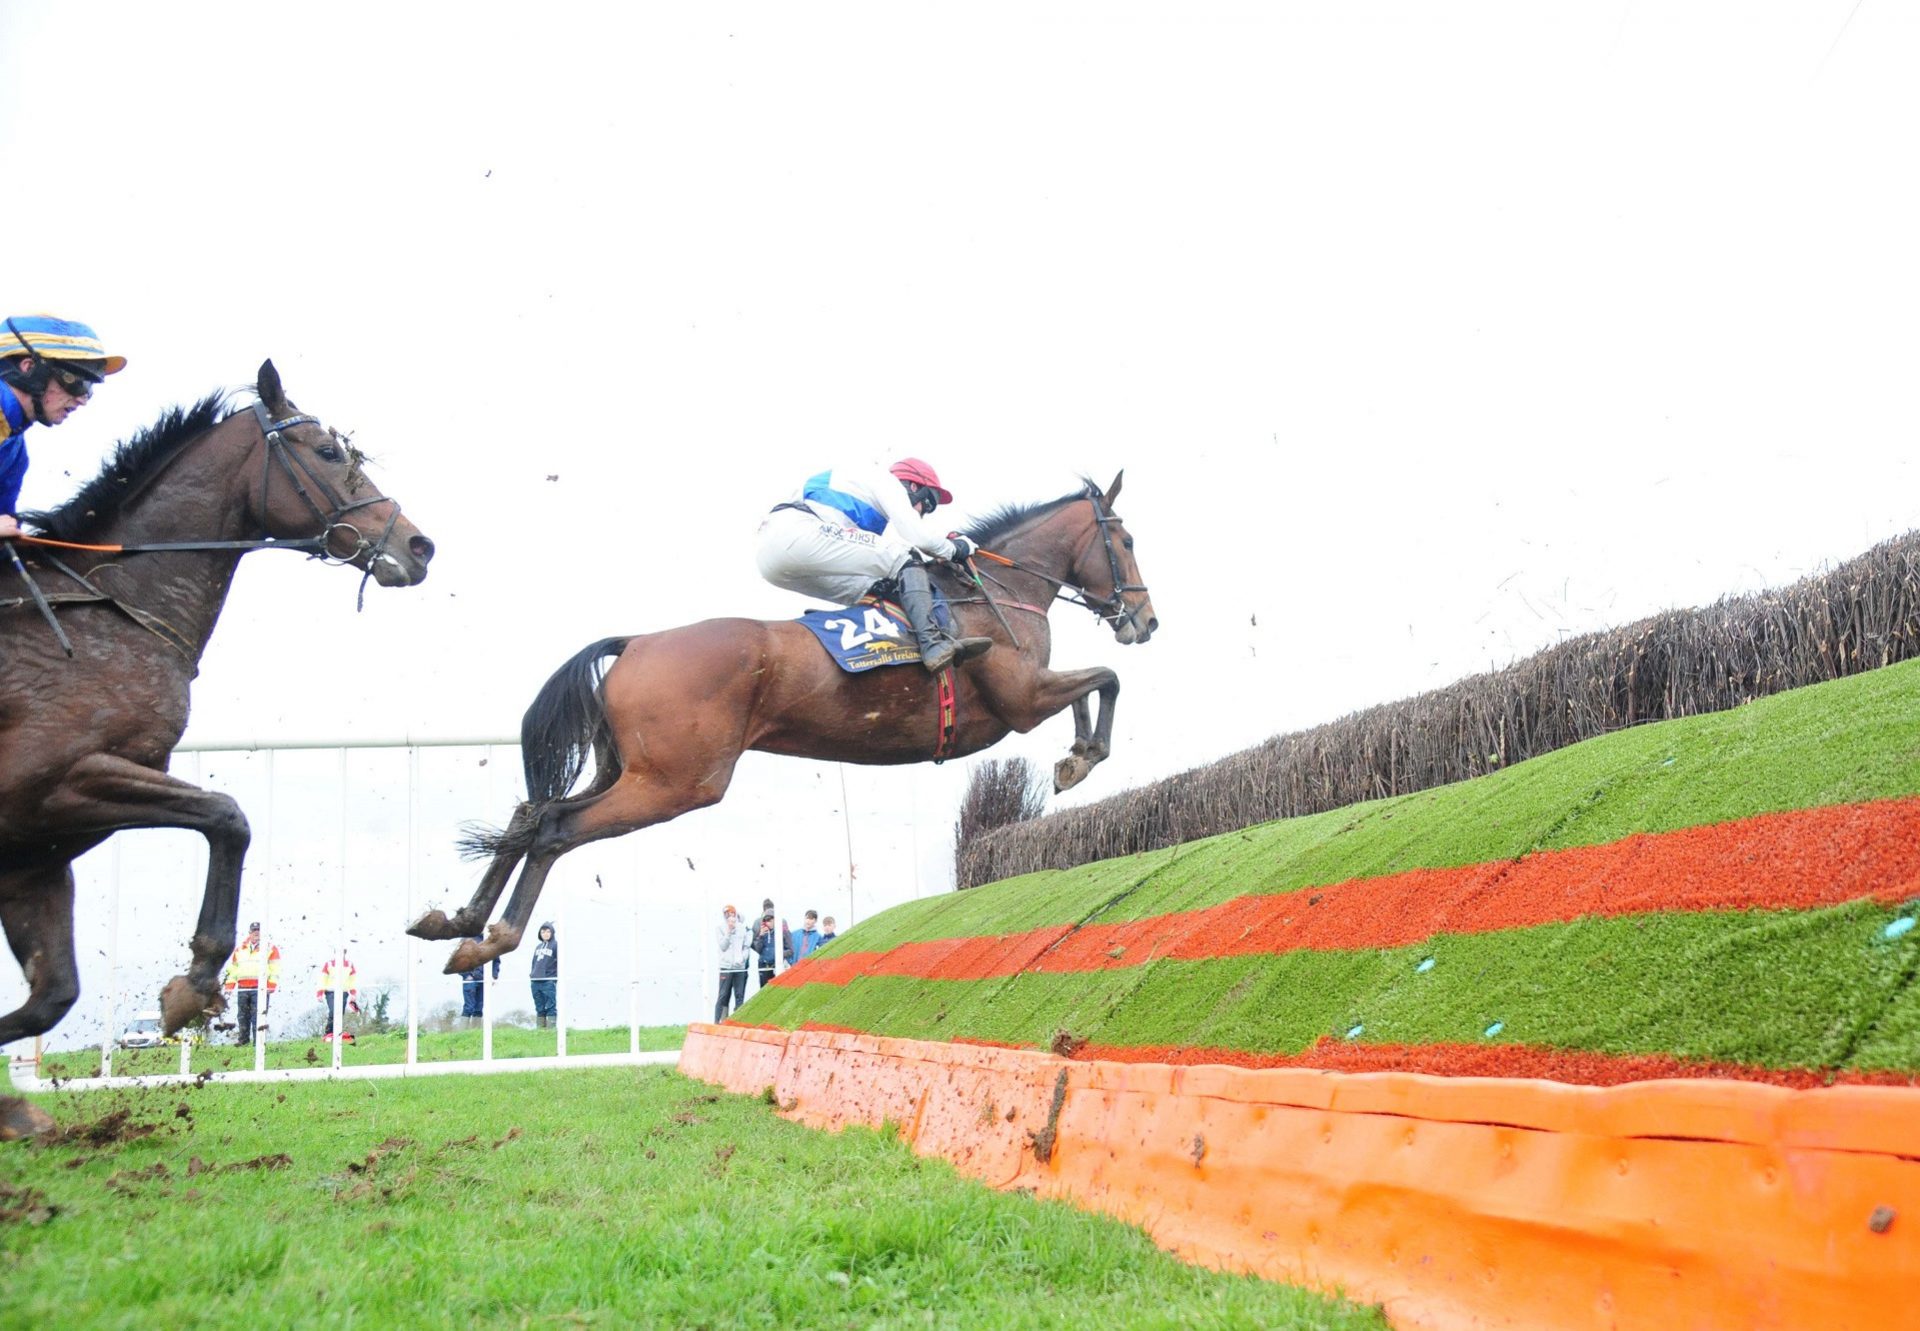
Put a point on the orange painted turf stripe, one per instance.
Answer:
(1778, 861)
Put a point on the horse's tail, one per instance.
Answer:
(567, 724)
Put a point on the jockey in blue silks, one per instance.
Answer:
(850, 527)
(48, 368)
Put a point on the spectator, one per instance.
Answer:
(808, 939)
(242, 980)
(827, 932)
(339, 973)
(763, 945)
(735, 945)
(473, 988)
(545, 970)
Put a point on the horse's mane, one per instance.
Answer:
(1004, 519)
(134, 461)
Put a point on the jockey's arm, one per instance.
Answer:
(905, 522)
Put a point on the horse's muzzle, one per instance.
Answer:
(402, 561)
(1138, 625)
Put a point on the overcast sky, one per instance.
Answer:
(1426, 334)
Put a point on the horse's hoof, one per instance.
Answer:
(434, 926)
(182, 1004)
(20, 1120)
(1070, 772)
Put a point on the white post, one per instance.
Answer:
(262, 994)
(846, 822)
(339, 998)
(186, 1053)
(560, 975)
(486, 1013)
(413, 944)
(113, 966)
(633, 997)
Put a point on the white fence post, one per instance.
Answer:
(113, 967)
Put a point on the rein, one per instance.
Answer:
(1106, 609)
(315, 547)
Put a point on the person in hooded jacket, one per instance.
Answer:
(545, 972)
(735, 946)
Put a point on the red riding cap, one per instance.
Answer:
(919, 473)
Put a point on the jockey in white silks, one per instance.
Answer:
(848, 528)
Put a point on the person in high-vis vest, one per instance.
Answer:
(48, 370)
(339, 973)
(242, 979)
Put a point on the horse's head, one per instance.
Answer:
(313, 484)
(1107, 573)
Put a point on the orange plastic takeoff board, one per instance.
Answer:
(1453, 1202)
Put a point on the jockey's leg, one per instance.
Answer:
(938, 648)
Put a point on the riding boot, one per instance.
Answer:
(938, 648)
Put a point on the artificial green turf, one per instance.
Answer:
(611, 1197)
(1816, 989)
(1849, 740)
(382, 1047)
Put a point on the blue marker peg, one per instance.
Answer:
(1897, 927)
(1495, 1029)
(1353, 1032)
(1424, 967)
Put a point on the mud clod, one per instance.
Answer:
(25, 1206)
(1066, 1043)
(109, 1130)
(1044, 1140)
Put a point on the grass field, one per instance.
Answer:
(603, 1197)
(385, 1047)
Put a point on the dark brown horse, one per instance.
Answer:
(666, 723)
(137, 566)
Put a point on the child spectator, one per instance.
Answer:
(808, 939)
(545, 973)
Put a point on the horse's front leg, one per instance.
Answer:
(1023, 698)
(37, 913)
(103, 794)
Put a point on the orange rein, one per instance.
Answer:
(70, 545)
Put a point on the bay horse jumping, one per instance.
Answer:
(136, 568)
(666, 723)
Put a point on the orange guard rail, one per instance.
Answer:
(1453, 1202)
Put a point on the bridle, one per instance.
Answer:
(321, 546)
(278, 450)
(1108, 609)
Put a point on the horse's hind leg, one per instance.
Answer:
(632, 802)
(466, 922)
(38, 916)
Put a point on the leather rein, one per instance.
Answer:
(278, 450)
(1108, 609)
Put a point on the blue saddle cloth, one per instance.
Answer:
(871, 633)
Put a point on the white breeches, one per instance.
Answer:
(801, 553)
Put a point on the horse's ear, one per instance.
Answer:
(1113, 491)
(272, 396)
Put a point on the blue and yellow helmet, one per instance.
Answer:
(52, 339)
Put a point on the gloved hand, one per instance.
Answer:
(962, 548)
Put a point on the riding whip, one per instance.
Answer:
(987, 596)
(33, 588)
